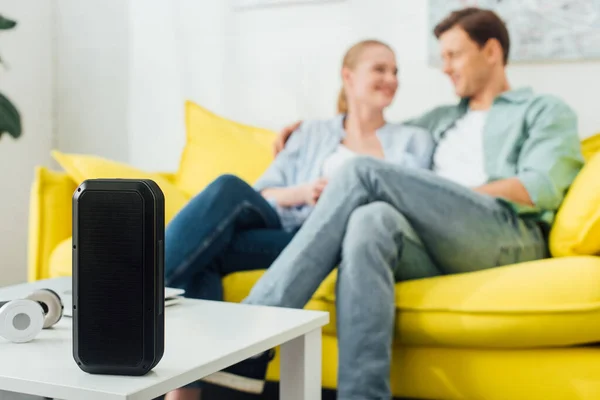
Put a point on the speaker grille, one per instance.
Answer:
(110, 277)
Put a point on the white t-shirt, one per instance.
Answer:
(459, 154)
(336, 159)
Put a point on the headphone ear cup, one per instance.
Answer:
(21, 320)
(53, 304)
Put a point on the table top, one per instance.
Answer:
(201, 337)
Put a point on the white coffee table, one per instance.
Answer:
(202, 337)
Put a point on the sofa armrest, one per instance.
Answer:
(49, 219)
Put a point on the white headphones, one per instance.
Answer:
(21, 320)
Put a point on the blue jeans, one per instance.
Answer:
(226, 228)
(383, 223)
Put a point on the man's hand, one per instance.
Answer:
(511, 189)
(283, 136)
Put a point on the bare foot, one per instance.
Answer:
(184, 394)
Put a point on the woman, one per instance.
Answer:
(231, 227)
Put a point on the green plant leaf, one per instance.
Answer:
(6, 23)
(10, 119)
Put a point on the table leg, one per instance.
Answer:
(301, 368)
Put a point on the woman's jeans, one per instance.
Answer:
(228, 227)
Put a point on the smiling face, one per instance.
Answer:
(468, 65)
(372, 79)
(474, 46)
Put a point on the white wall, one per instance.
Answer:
(274, 65)
(69, 77)
(155, 85)
(28, 50)
(92, 80)
(283, 63)
(577, 83)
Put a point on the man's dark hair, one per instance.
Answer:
(481, 26)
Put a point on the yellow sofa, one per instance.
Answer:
(520, 332)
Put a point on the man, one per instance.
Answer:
(503, 162)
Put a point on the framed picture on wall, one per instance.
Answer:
(246, 4)
(540, 30)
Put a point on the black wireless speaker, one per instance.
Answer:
(118, 281)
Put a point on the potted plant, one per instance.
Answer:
(10, 119)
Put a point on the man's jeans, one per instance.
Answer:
(385, 223)
(227, 228)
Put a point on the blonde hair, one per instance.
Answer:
(350, 60)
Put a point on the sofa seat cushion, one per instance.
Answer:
(554, 302)
(492, 374)
(421, 372)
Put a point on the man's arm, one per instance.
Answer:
(549, 159)
(511, 189)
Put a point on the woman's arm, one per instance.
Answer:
(281, 171)
(298, 195)
(287, 197)
(279, 183)
(283, 136)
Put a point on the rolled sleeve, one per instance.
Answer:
(541, 189)
(550, 157)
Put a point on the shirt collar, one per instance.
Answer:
(519, 95)
(339, 123)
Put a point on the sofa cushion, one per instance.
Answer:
(82, 167)
(554, 302)
(217, 146)
(420, 372)
(590, 146)
(576, 229)
(49, 219)
(491, 374)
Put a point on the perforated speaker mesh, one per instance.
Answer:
(111, 257)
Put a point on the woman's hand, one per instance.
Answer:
(313, 191)
(300, 195)
(283, 136)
